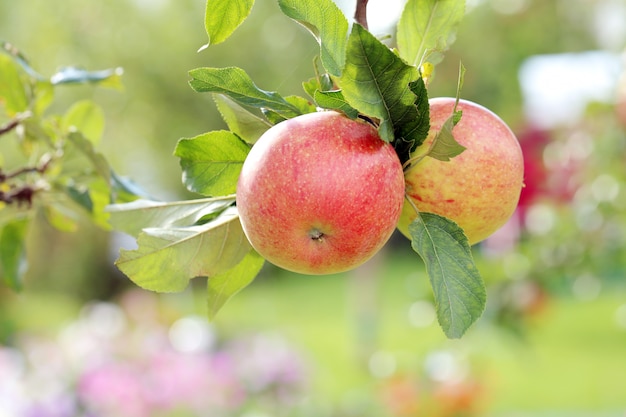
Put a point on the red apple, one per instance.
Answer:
(320, 193)
(478, 189)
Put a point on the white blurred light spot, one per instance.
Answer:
(382, 364)
(421, 314)
(586, 287)
(557, 88)
(104, 319)
(605, 188)
(444, 366)
(540, 219)
(588, 218)
(192, 334)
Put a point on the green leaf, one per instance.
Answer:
(211, 162)
(321, 83)
(223, 17)
(334, 100)
(426, 27)
(302, 104)
(459, 290)
(236, 84)
(86, 148)
(133, 217)
(167, 258)
(239, 120)
(12, 88)
(223, 286)
(444, 146)
(86, 117)
(375, 81)
(13, 252)
(327, 23)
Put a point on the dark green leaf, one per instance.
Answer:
(240, 121)
(327, 23)
(426, 27)
(459, 290)
(222, 287)
(13, 252)
(167, 258)
(222, 17)
(132, 218)
(236, 84)
(334, 100)
(211, 162)
(375, 81)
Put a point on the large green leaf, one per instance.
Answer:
(327, 23)
(237, 84)
(13, 252)
(375, 81)
(222, 17)
(459, 290)
(167, 258)
(211, 162)
(426, 27)
(222, 287)
(240, 120)
(133, 217)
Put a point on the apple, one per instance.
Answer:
(478, 189)
(320, 193)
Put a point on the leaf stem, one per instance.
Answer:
(360, 15)
(411, 203)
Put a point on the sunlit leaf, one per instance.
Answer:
(133, 217)
(211, 162)
(459, 290)
(241, 121)
(334, 100)
(13, 252)
(167, 258)
(327, 23)
(236, 84)
(12, 88)
(303, 105)
(86, 148)
(445, 146)
(426, 27)
(223, 286)
(86, 117)
(223, 17)
(375, 81)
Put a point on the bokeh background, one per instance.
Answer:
(82, 340)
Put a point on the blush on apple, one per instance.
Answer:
(320, 193)
(478, 189)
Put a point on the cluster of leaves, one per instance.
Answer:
(52, 166)
(359, 76)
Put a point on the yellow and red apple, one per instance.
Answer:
(478, 189)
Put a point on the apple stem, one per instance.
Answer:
(411, 203)
(360, 15)
(316, 234)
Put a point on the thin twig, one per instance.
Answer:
(360, 15)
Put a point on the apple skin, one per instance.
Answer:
(478, 189)
(320, 193)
